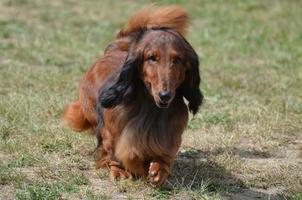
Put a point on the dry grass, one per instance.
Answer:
(245, 143)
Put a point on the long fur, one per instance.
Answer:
(124, 88)
(172, 17)
(74, 117)
(132, 131)
(190, 87)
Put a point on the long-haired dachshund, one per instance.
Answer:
(133, 97)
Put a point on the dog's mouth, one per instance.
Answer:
(162, 104)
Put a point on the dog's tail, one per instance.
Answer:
(173, 17)
(74, 117)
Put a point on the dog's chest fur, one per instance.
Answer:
(147, 131)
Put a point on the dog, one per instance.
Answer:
(133, 98)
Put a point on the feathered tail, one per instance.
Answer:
(74, 117)
(173, 17)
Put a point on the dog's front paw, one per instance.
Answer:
(157, 174)
(119, 173)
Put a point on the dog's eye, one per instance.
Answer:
(152, 58)
(176, 61)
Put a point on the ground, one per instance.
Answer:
(245, 142)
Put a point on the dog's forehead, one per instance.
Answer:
(159, 38)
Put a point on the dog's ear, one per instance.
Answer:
(190, 86)
(123, 90)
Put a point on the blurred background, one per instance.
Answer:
(245, 143)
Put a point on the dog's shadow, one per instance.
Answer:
(194, 171)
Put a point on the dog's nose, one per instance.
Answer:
(165, 96)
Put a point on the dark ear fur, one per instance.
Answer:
(190, 87)
(123, 90)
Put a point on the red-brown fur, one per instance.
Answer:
(121, 96)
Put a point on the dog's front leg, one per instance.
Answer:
(104, 156)
(117, 171)
(159, 172)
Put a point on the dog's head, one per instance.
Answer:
(165, 63)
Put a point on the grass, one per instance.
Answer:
(246, 141)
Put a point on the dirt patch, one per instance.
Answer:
(5, 158)
(6, 192)
(253, 193)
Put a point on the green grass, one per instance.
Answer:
(246, 140)
(9, 175)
